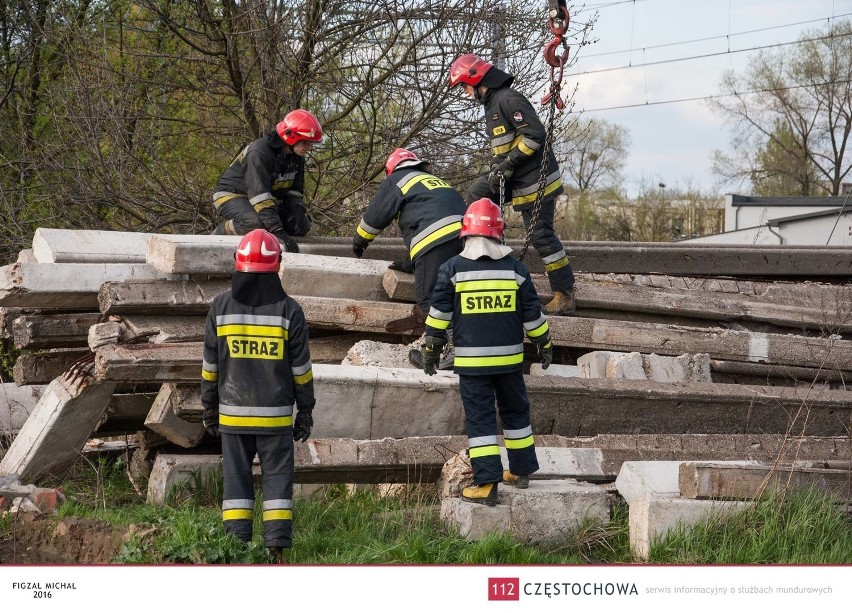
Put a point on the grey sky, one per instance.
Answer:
(673, 143)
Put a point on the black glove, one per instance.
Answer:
(402, 266)
(432, 346)
(302, 425)
(210, 421)
(359, 243)
(505, 168)
(545, 354)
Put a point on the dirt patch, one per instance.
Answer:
(33, 539)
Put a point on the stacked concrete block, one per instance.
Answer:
(546, 512)
(652, 491)
(686, 368)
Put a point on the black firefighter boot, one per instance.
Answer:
(277, 554)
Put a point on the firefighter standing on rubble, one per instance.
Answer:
(517, 139)
(429, 214)
(256, 369)
(488, 298)
(263, 187)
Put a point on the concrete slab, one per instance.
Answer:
(554, 370)
(475, 521)
(546, 512)
(163, 420)
(172, 470)
(71, 286)
(16, 404)
(51, 245)
(60, 424)
(652, 518)
(625, 366)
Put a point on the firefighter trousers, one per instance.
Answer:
(560, 274)
(276, 463)
(241, 218)
(478, 393)
(426, 270)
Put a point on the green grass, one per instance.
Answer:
(339, 527)
(803, 527)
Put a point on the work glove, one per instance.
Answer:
(505, 168)
(431, 352)
(545, 354)
(210, 421)
(402, 266)
(359, 243)
(302, 425)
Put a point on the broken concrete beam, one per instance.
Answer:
(377, 405)
(676, 369)
(718, 343)
(655, 507)
(26, 256)
(547, 512)
(125, 413)
(70, 286)
(106, 333)
(163, 328)
(149, 362)
(740, 482)
(43, 330)
(334, 349)
(52, 245)
(192, 254)
(60, 424)
(43, 367)
(16, 404)
(164, 297)
(172, 471)
(163, 420)
(786, 373)
(371, 316)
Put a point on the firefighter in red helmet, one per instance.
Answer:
(487, 297)
(429, 214)
(263, 187)
(256, 375)
(517, 139)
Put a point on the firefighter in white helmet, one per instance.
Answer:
(488, 299)
(256, 375)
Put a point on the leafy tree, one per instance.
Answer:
(794, 103)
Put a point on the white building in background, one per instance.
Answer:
(784, 221)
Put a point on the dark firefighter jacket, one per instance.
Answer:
(427, 209)
(489, 304)
(263, 172)
(515, 132)
(256, 365)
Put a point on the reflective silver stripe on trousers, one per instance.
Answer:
(522, 433)
(526, 191)
(237, 503)
(280, 503)
(479, 441)
(555, 257)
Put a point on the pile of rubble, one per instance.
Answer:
(677, 353)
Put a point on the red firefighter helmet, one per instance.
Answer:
(483, 218)
(259, 251)
(400, 159)
(468, 69)
(299, 125)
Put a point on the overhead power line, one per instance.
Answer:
(713, 96)
(703, 55)
(717, 37)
